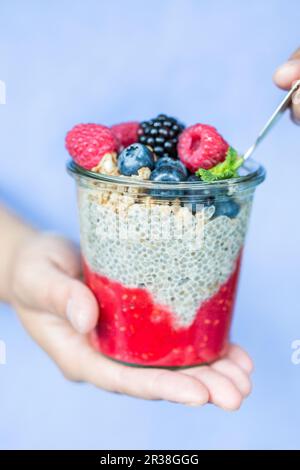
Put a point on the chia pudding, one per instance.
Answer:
(161, 253)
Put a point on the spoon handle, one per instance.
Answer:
(273, 119)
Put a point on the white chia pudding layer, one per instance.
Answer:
(182, 258)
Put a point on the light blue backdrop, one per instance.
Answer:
(106, 61)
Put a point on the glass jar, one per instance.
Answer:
(163, 261)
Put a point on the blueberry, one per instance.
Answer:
(133, 158)
(167, 174)
(224, 205)
(194, 178)
(168, 161)
(227, 207)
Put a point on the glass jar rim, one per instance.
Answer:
(255, 174)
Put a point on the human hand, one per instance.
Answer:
(58, 310)
(285, 76)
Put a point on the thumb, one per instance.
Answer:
(70, 298)
(57, 292)
(289, 72)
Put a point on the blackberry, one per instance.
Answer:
(161, 134)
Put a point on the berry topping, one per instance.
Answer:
(224, 170)
(201, 146)
(125, 133)
(168, 161)
(227, 207)
(161, 134)
(135, 157)
(167, 174)
(88, 143)
(194, 179)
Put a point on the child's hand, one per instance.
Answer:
(285, 76)
(57, 309)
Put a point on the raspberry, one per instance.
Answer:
(201, 146)
(88, 143)
(125, 133)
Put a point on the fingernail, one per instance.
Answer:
(76, 316)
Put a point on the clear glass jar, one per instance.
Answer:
(163, 261)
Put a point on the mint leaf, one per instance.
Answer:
(224, 170)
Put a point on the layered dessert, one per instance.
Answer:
(162, 232)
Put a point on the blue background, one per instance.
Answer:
(66, 62)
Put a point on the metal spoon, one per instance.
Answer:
(273, 119)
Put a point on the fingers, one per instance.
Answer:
(49, 285)
(46, 288)
(227, 380)
(73, 300)
(224, 384)
(237, 375)
(285, 76)
(295, 110)
(288, 72)
(78, 361)
(67, 297)
(63, 253)
(151, 384)
(240, 358)
(222, 391)
(296, 54)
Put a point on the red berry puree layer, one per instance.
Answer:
(134, 329)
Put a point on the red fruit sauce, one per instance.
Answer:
(134, 329)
